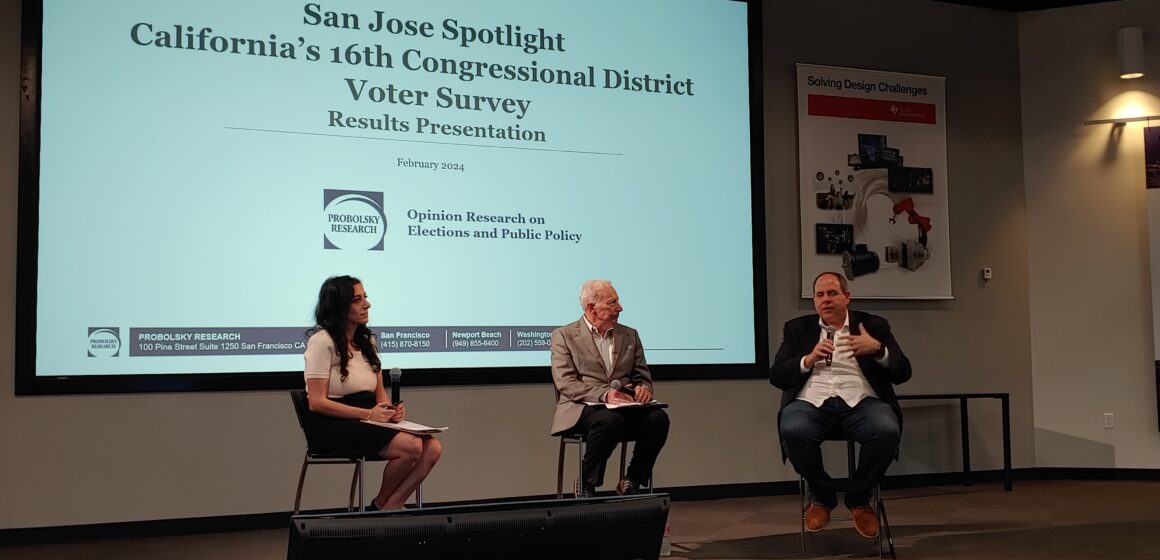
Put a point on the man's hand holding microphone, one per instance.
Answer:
(627, 394)
(861, 344)
(823, 350)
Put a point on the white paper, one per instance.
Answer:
(615, 406)
(408, 426)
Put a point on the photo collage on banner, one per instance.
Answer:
(873, 181)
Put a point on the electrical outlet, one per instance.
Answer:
(986, 273)
(1109, 420)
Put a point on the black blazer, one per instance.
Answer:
(801, 335)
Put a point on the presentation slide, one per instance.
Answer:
(204, 166)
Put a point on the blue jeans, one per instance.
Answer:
(872, 423)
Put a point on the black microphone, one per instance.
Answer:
(616, 386)
(830, 337)
(396, 384)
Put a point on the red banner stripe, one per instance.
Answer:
(870, 109)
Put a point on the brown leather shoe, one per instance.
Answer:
(865, 521)
(817, 517)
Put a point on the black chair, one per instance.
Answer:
(884, 541)
(579, 441)
(301, 409)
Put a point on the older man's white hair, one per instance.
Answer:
(591, 289)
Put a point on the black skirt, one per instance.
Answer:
(347, 437)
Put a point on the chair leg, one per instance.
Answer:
(580, 463)
(884, 525)
(802, 502)
(361, 476)
(353, 484)
(876, 501)
(623, 456)
(419, 496)
(301, 481)
(560, 472)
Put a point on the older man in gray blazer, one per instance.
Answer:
(596, 359)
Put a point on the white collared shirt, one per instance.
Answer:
(841, 378)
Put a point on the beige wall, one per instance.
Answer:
(94, 459)
(1087, 236)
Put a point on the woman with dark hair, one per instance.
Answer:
(344, 384)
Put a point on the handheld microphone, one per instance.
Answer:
(616, 386)
(829, 337)
(396, 384)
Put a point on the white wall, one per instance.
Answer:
(1090, 285)
(95, 459)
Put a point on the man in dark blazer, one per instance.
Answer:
(837, 370)
(588, 356)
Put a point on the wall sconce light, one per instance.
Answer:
(1130, 41)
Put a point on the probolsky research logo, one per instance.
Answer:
(354, 220)
(104, 342)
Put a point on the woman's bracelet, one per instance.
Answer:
(370, 413)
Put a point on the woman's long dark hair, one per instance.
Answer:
(331, 314)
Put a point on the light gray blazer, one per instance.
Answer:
(579, 373)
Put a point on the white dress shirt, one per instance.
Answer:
(842, 377)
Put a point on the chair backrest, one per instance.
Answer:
(301, 407)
